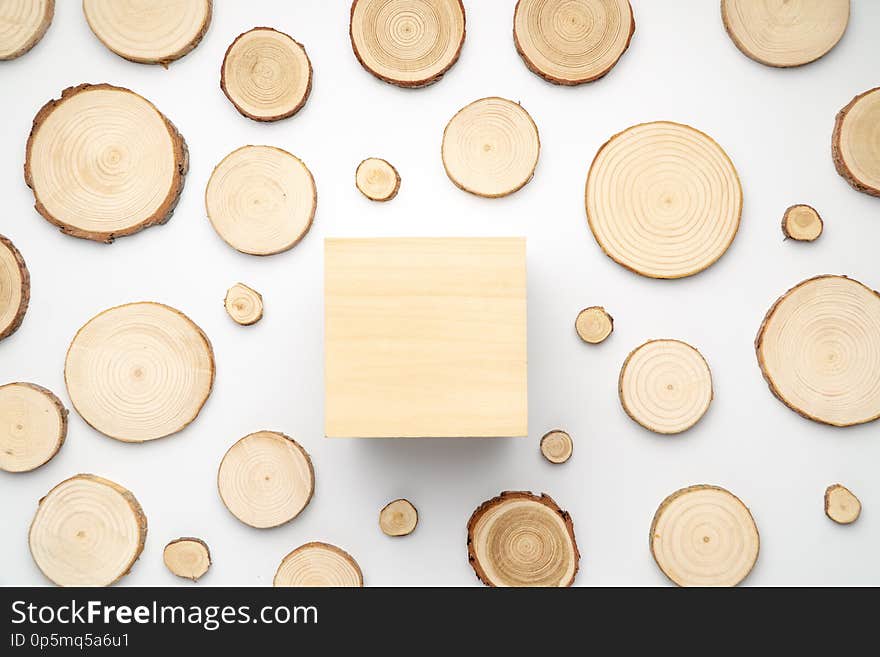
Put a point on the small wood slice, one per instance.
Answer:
(491, 147)
(841, 505)
(243, 304)
(377, 179)
(266, 479)
(261, 200)
(398, 518)
(103, 162)
(522, 539)
(572, 41)
(819, 350)
(557, 446)
(33, 426)
(15, 288)
(663, 200)
(785, 34)
(139, 372)
(802, 223)
(704, 536)
(319, 565)
(854, 144)
(149, 32)
(594, 324)
(666, 386)
(187, 557)
(410, 43)
(87, 531)
(266, 75)
(22, 24)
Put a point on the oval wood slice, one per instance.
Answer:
(261, 200)
(663, 200)
(704, 536)
(557, 446)
(243, 304)
(785, 33)
(377, 179)
(522, 539)
(266, 479)
(320, 565)
(187, 557)
(841, 505)
(819, 350)
(854, 144)
(398, 518)
(139, 372)
(572, 41)
(594, 324)
(665, 386)
(802, 223)
(22, 24)
(266, 75)
(491, 147)
(33, 426)
(15, 288)
(103, 162)
(87, 531)
(410, 43)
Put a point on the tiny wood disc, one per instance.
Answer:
(22, 24)
(666, 386)
(841, 505)
(139, 372)
(103, 162)
(704, 536)
(802, 223)
(87, 531)
(149, 32)
(785, 33)
(266, 75)
(319, 565)
(594, 324)
(261, 200)
(15, 288)
(572, 41)
(266, 479)
(522, 539)
(819, 350)
(855, 145)
(187, 557)
(33, 426)
(410, 43)
(557, 446)
(398, 518)
(243, 304)
(377, 179)
(491, 147)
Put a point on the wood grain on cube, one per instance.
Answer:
(15, 288)
(22, 24)
(33, 426)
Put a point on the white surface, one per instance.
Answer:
(775, 124)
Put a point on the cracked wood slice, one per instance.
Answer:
(15, 288)
(266, 75)
(139, 372)
(802, 223)
(594, 324)
(785, 33)
(33, 426)
(243, 304)
(261, 200)
(377, 179)
(409, 43)
(88, 531)
(855, 144)
(570, 42)
(819, 350)
(663, 200)
(491, 147)
(841, 505)
(319, 565)
(266, 479)
(665, 386)
(704, 536)
(22, 24)
(398, 518)
(557, 446)
(103, 162)
(522, 539)
(187, 557)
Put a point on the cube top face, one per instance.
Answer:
(425, 337)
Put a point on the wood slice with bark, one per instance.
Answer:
(33, 426)
(22, 24)
(88, 531)
(377, 179)
(802, 223)
(139, 372)
(187, 557)
(243, 304)
(854, 144)
(15, 288)
(398, 518)
(103, 162)
(319, 565)
(841, 505)
(557, 446)
(594, 324)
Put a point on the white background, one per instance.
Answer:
(776, 126)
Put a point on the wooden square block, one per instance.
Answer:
(425, 337)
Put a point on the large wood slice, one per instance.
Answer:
(15, 288)
(33, 426)
(819, 350)
(103, 162)
(139, 372)
(855, 145)
(22, 24)
(320, 565)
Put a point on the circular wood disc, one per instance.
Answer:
(594, 324)
(22, 24)
(398, 518)
(666, 386)
(855, 145)
(266, 479)
(557, 446)
(491, 147)
(819, 350)
(841, 505)
(785, 33)
(149, 32)
(187, 557)
(139, 372)
(319, 565)
(572, 41)
(15, 288)
(663, 200)
(704, 536)
(33, 426)
(377, 179)
(243, 304)
(522, 539)
(87, 531)
(802, 223)
(261, 200)
(266, 74)
(410, 43)
(103, 162)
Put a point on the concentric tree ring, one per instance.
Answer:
(319, 564)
